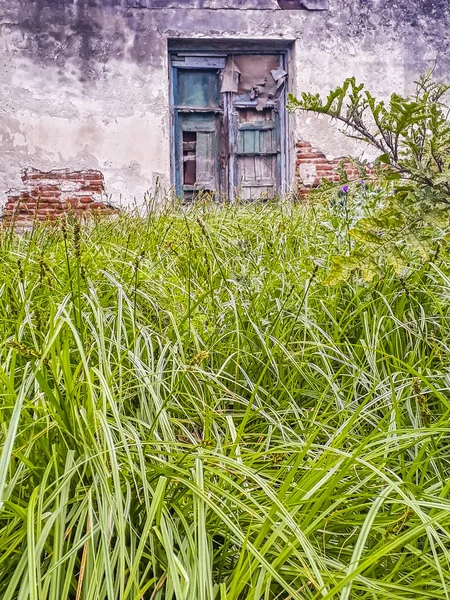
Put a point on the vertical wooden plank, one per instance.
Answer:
(249, 139)
(257, 142)
(267, 139)
(179, 156)
(280, 168)
(268, 171)
(230, 146)
(206, 162)
(283, 163)
(258, 168)
(175, 128)
(251, 168)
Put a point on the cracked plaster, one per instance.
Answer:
(85, 84)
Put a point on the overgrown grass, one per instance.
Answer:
(188, 413)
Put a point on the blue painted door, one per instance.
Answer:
(227, 125)
(198, 134)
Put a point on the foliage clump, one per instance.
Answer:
(412, 137)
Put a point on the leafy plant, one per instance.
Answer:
(412, 136)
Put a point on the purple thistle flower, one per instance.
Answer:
(345, 189)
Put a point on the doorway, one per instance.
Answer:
(229, 124)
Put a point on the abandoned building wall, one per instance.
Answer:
(84, 84)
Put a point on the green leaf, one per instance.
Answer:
(384, 159)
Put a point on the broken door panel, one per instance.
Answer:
(257, 153)
(189, 157)
(200, 145)
(256, 81)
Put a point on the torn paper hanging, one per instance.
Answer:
(230, 77)
(257, 78)
(279, 75)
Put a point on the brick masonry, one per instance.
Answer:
(312, 166)
(45, 196)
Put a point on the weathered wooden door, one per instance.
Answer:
(257, 104)
(257, 154)
(198, 121)
(228, 125)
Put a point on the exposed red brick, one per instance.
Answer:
(48, 195)
(313, 161)
(90, 176)
(90, 190)
(44, 195)
(322, 168)
(308, 155)
(72, 202)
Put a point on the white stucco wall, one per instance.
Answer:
(88, 87)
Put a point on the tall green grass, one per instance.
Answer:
(187, 413)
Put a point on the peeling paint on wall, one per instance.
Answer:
(85, 84)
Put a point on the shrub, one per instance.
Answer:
(412, 136)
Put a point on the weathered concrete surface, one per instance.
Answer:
(84, 84)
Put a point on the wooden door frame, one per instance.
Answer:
(219, 48)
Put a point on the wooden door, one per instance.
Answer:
(229, 125)
(198, 119)
(257, 153)
(200, 136)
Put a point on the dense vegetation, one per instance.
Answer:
(411, 136)
(187, 412)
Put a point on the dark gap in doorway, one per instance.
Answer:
(190, 157)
